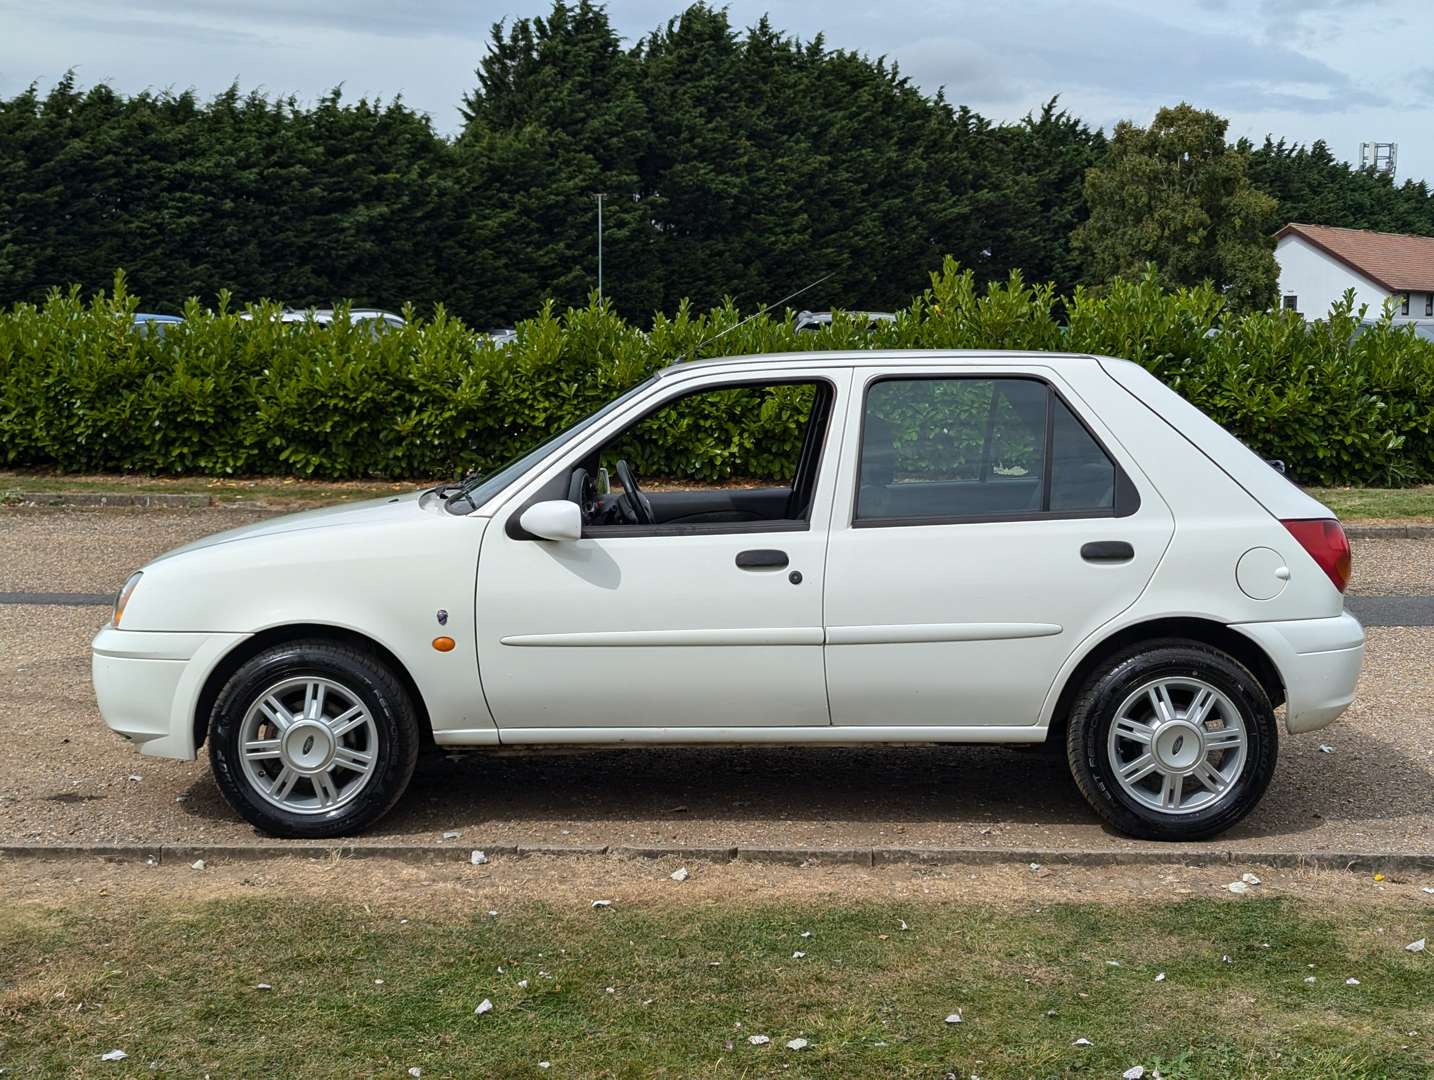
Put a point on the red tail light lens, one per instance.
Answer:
(1324, 539)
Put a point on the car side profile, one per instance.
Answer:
(964, 547)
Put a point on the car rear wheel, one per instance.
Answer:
(1174, 740)
(313, 739)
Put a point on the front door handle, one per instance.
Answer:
(1107, 551)
(762, 559)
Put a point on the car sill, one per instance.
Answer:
(679, 736)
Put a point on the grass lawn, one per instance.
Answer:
(1378, 504)
(677, 990)
(274, 489)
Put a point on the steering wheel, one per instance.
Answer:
(583, 491)
(638, 508)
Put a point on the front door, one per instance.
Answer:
(707, 617)
(987, 530)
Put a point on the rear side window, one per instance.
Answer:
(975, 448)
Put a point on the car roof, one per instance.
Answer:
(891, 357)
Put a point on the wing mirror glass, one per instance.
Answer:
(556, 519)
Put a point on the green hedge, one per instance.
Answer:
(80, 390)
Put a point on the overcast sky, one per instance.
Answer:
(1344, 70)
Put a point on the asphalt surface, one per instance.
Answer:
(65, 779)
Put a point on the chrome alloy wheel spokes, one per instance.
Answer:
(1177, 745)
(308, 745)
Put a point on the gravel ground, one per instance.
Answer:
(94, 550)
(65, 779)
(84, 550)
(1393, 567)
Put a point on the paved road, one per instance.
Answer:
(65, 779)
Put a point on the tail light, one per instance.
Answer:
(1324, 539)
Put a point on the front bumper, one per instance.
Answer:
(148, 685)
(1318, 661)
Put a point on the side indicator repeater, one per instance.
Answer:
(443, 644)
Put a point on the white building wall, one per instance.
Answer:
(1318, 280)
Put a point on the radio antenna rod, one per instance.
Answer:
(737, 326)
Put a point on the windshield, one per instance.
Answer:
(479, 490)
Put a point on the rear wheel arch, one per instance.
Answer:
(1204, 631)
(252, 646)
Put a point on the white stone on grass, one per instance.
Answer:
(1135, 1072)
(758, 1040)
(1082, 1042)
(797, 1044)
(1415, 946)
(602, 903)
(478, 858)
(114, 1055)
(484, 1006)
(197, 864)
(1351, 982)
(954, 1018)
(1160, 977)
(680, 874)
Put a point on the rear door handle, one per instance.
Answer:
(762, 559)
(1107, 551)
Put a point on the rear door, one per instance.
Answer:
(985, 524)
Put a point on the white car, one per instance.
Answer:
(971, 547)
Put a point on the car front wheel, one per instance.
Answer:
(1172, 741)
(313, 739)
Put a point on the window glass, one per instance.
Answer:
(976, 448)
(952, 448)
(714, 438)
(1082, 477)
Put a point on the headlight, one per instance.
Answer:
(125, 594)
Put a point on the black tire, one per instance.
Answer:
(1094, 711)
(363, 678)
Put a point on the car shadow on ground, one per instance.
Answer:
(877, 786)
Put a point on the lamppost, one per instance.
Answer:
(600, 196)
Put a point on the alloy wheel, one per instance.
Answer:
(1177, 745)
(308, 745)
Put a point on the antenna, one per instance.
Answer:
(737, 326)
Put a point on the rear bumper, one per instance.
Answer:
(148, 684)
(1318, 661)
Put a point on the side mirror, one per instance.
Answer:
(556, 519)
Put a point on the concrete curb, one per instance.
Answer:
(101, 498)
(459, 852)
(1389, 532)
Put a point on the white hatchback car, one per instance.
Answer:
(969, 547)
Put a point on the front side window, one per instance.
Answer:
(1292, 303)
(1429, 303)
(1404, 304)
(720, 459)
(976, 448)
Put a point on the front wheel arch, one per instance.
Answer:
(252, 646)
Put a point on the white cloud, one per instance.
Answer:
(1305, 69)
